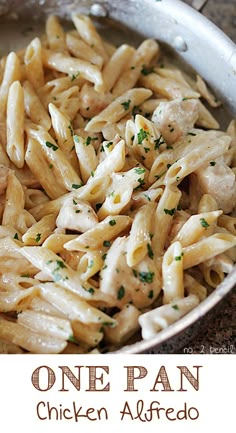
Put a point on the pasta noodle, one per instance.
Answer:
(117, 193)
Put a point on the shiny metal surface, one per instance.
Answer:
(198, 43)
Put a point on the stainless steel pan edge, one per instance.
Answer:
(198, 41)
(212, 54)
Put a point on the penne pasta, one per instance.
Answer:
(117, 192)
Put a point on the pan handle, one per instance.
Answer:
(199, 4)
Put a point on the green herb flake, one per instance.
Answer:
(110, 324)
(104, 256)
(212, 163)
(169, 211)
(146, 71)
(121, 293)
(71, 130)
(158, 142)
(106, 243)
(151, 235)
(146, 277)
(150, 294)
(142, 135)
(150, 251)
(98, 206)
(51, 146)
(135, 273)
(60, 264)
(76, 185)
(38, 237)
(126, 104)
(204, 223)
(147, 197)
(77, 211)
(175, 307)
(74, 76)
(109, 144)
(89, 139)
(72, 339)
(178, 258)
(191, 133)
(168, 166)
(112, 223)
(16, 236)
(25, 276)
(50, 166)
(91, 290)
(139, 170)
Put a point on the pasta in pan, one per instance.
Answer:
(117, 193)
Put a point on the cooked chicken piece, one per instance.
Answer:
(76, 215)
(219, 181)
(175, 118)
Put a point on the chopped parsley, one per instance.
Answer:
(104, 256)
(135, 273)
(146, 277)
(38, 237)
(71, 130)
(89, 139)
(121, 293)
(204, 223)
(191, 133)
(60, 265)
(92, 173)
(74, 76)
(147, 71)
(72, 339)
(169, 211)
(168, 166)
(150, 251)
(139, 170)
(98, 206)
(50, 166)
(212, 163)
(178, 258)
(106, 243)
(77, 211)
(150, 294)
(147, 197)
(158, 142)
(112, 223)
(109, 144)
(142, 135)
(151, 235)
(175, 307)
(51, 146)
(16, 236)
(74, 202)
(91, 290)
(126, 104)
(76, 185)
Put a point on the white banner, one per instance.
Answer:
(177, 393)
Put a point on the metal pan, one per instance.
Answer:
(187, 35)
